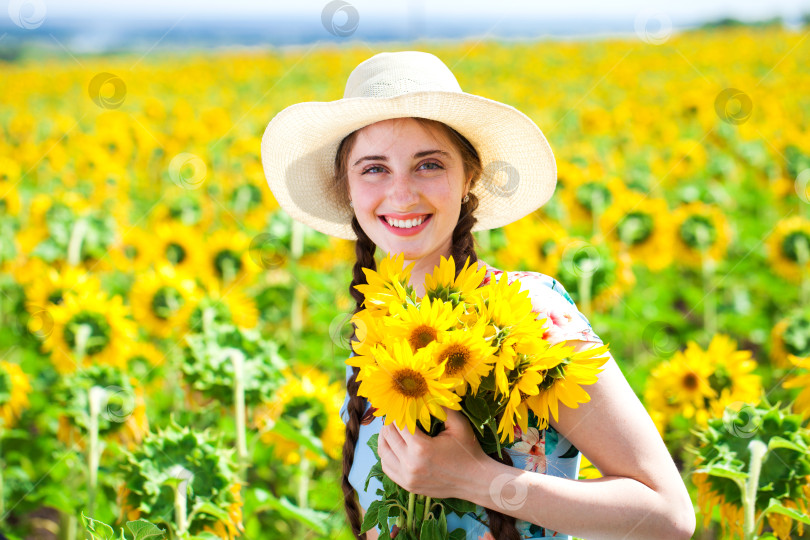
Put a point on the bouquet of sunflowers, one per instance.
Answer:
(472, 348)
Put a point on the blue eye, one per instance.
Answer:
(371, 169)
(437, 166)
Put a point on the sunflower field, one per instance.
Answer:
(173, 346)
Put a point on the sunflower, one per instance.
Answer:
(132, 253)
(468, 356)
(89, 327)
(587, 198)
(791, 336)
(52, 283)
(640, 226)
(248, 205)
(789, 248)
(564, 380)
(444, 284)
(230, 305)
(535, 244)
(228, 257)
(143, 360)
(184, 207)
(9, 199)
(369, 331)
(14, 389)
(423, 324)
(386, 285)
(311, 404)
(526, 382)
(700, 230)
(179, 245)
(802, 381)
(587, 470)
(163, 299)
(405, 388)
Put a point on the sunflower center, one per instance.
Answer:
(306, 412)
(166, 301)
(130, 252)
(594, 196)
(797, 337)
(5, 387)
(720, 379)
(548, 247)
(99, 331)
(56, 297)
(421, 336)
(227, 264)
(794, 244)
(175, 253)
(698, 232)
(457, 358)
(410, 383)
(635, 228)
(690, 381)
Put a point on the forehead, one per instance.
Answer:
(404, 131)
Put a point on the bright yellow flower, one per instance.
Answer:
(469, 357)
(443, 282)
(533, 244)
(179, 245)
(789, 248)
(700, 230)
(163, 300)
(423, 324)
(228, 259)
(388, 284)
(52, 283)
(405, 387)
(133, 251)
(14, 389)
(802, 381)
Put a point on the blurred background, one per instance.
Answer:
(172, 346)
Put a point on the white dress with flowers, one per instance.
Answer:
(543, 451)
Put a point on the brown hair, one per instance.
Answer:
(463, 246)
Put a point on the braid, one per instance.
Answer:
(364, 249)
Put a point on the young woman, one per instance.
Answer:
(408, 163)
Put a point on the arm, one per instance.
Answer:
(640, 496)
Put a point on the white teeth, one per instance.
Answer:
(404, 224)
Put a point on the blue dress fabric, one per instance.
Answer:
(543, 451)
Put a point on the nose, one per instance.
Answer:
(403, 192)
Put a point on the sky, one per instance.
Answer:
(680, 10)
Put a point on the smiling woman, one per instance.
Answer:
(406, 162)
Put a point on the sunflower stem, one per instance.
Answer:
(597, 206)
(96, 396)
(83, 333)
(303, 479)
(710, 300)
(427, 508)
(758, 450)
(411, 501)
(180, 497)
(802, 258)
(238, 359)
(77, 234)
(584, 285)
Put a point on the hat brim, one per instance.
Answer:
(299, 146)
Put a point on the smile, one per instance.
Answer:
(406, 227)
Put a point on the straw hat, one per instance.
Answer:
(300, 143)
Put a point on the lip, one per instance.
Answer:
(406, 232)
(404, 216)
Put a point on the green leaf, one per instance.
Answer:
(375, 472)
(144, 529)
(98, 529)
(477, 407)
(459, 506)
(312, 518)
(781, 442)
(458, 534)
(774, 506)
(371, 518)
(286, 430)
(372, 443)
(724, 472)
(430, 530)
(205, 535)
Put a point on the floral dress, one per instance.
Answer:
(543, 451)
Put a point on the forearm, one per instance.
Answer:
(605, 508)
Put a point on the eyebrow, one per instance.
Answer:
(416, 155)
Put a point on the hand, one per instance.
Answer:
(432, 466)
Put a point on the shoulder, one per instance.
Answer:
(550, 301)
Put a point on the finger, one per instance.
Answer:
(395, 439)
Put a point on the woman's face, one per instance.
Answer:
(406, 182)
